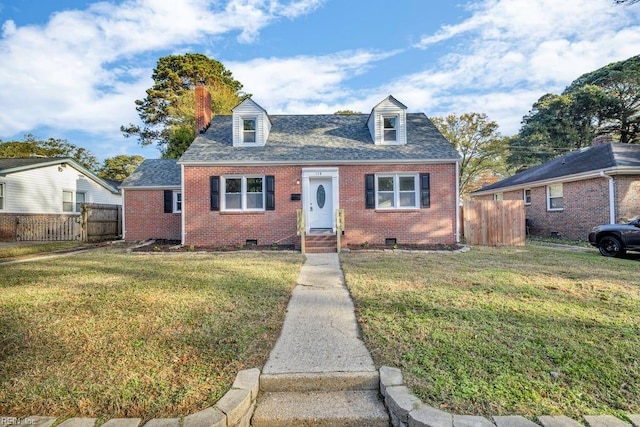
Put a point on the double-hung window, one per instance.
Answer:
(498, 197)
(390, 128)
(1, 196)
(67, 201)
(555, 197)
(177, 202)
(527, 196)
(243, 193)
(397, 191)
(249, 130)
(80, 199)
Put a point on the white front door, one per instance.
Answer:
(320, 202)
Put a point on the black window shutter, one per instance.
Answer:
(425, 192)
(215, 192)
(270, 185)
(168, 201)
(370, 191)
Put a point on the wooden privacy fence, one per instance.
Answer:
(48, 228)
(101, 222)
(494, 223)
(97, 222)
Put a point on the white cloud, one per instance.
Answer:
(304, 84)
(510, 52)
(63, 76)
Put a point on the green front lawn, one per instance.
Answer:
(22, 249)
(495, 331)
(108, 334)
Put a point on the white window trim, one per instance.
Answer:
(243, 193)
(498, 197)
(396, 190)
(3, 196)
(397, 129)
(176, 194)
(75, 198)
(549, 208)
(73, 201)
(255, 131)
(524, 196)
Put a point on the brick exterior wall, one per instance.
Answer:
(8, 227)
(586, 204)
(145, 218)
(627, 196)
(429, 225)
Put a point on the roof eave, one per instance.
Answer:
(566, 178)
(313, 162)
(151, 187)
(61, 161)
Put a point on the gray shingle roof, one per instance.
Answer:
(8, 164)
(599, 157)
(323, 138)
(154, 173)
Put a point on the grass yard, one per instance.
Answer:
(499, 331)
(21, 249)
(109, 334)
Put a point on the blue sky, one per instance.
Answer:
(73, 69)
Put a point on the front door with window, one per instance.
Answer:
(320, 200)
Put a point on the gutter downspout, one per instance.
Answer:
(457, 202)
(612, 197)
(124, 230)
(182, 210)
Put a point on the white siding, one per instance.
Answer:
(375, 124)
(39, 191)
(248, 109)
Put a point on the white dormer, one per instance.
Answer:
(388, 122)
(251, 124)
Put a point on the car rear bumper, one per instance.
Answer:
(592, 239)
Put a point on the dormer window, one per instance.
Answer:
(387, 122)
(249, 130)
(251, 124)
(390, 128)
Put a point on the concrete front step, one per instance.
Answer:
(321, 381)
(321, 250)
(319, 409)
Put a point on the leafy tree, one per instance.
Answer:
(167, 111)
(119, 167)
(52, 147)
(604, 101)
(346, 112)
(479, 143)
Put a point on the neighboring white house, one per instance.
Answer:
(48, 186)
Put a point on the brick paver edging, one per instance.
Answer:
(234, 409)
(406, 409)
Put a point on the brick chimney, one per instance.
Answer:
(601, 139)
(203, 109)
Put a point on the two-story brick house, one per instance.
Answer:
(244, 179)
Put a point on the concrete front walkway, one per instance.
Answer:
(320, 372)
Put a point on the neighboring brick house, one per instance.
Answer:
(571, 194)
(51, 187)
(245, 177)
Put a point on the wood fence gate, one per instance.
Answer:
(97, 222)
(494, 223)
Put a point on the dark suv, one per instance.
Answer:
(616, 239)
